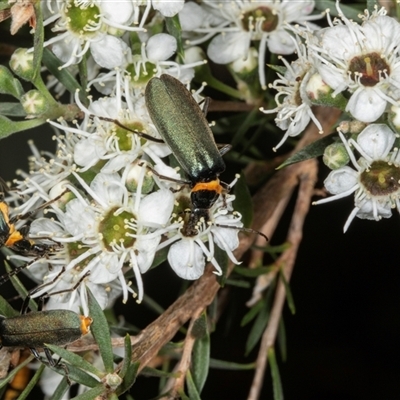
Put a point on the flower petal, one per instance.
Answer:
(376, 140)
(186, 259)
(156, 208)
(225, 48)
(168, 8)
(341, 180)
(366, 105)
(160, 47)
(109, 52)
(280, 42)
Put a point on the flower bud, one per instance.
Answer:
(319, 93)
(335, 156)
(21, 63)
(34, 103)
(134, 176)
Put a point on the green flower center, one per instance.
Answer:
(81, 19)
(141, 77)
(115, 229)
(269, 20)
(382, 179)
(75, 250)
(125, 136)
(368, 68)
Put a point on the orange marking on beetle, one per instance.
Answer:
(15, 236)
(85, 324)
(4, 211)
(214, 186)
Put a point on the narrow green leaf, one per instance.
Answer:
(12, 110)
(193, 393)
(238, 283)
(182, 395)
(74, 374)
(249, 121)
(160, 257)
(351, 12)
(173, 26)
(281, 339)
(91, 394)
(38, 41)
(4, 4)
(74, 360)
(6, 309)
(230, 366)
(127, 356)
(166, 366)
(252, 313)
(129, 379)
(204, 74)
(276, 379)
(11, 375)
(8, 127)
(289, 295)
(62, 75)
(200, 327)
(201, 356)
(313, 150)
(243, 202)
(278, 68)
(9, 84)
(60, 390)
(253, 272)
(257, 329)
(83, 72)
(371, 5)
(152, 304)
(101, 332)
(275, 251)
(20, 288)
(32, 383)
(153, 372)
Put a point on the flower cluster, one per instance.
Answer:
(355, 67)
(115, 208)
(235, 27)
(375, 179)
(114, 200)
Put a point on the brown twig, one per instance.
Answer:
(176, 385)
(308, 177)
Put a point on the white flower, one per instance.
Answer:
(113, 144)
(241, 22)
(188, 253)
(103, 235)
(293, 104)
(141, 63)
(46, 172)
(87, 25)
(362, 59)
(375, 179)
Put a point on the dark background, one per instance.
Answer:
(343, 341)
